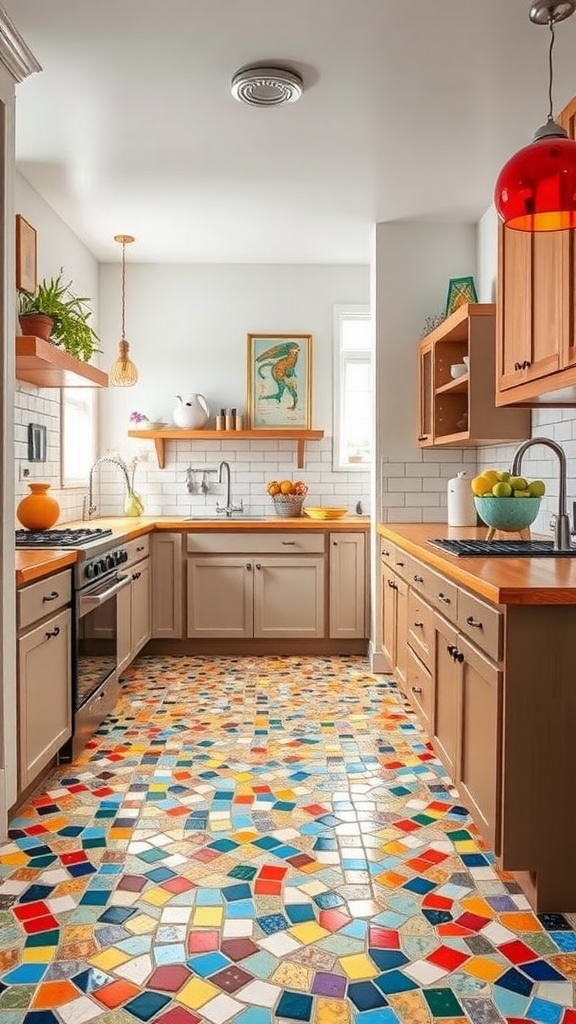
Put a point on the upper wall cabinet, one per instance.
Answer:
(536, 352)
(462, 412)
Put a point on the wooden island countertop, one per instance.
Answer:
(515, 581)
(33, 565)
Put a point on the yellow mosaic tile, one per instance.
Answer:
(476, 905)
(140, 925)
(332, 1011)
(410, 1006)
(196, 993)
(358, 966)
(207, 917)
(293, 976)
(108, 959)
(38, 954)
(308, 932)
(485, 968)
(157, 897)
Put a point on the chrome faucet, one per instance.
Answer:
(88, 507)
(229, 507)
(562, 521)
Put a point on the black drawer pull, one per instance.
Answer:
(392, 585)
(52, 632)
(141, 548)
(451, 650)
(419, 579)
(258, 566)
(386, 553)
(526, 364)
(249, 566)
(474, 622)
(416, 689)
(51, 596)
(517, 366)
(442, 597)
(459, 656)
(422, 437)
(400, 563)
(136, 575)
(420, 624)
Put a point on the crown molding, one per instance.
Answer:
(14, 53)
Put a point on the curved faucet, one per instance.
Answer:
(562, 522)
(229, 507)
(103, 458)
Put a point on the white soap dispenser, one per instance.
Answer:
(461, 510)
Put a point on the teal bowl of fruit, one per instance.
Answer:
(509, 514)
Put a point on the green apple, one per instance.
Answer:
(519, 493)
(502, 489)
(518, 483)
(504, 476)
(537, 488)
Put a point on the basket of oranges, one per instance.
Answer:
(288, 497)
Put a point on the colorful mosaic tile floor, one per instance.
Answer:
(258, 840)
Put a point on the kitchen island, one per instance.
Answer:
(485, 648)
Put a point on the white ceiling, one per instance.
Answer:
(409, 109)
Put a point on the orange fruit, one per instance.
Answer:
(273, 488)
(299, 487)
(286, 487)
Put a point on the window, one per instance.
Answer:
(353, 426)
(77, 435)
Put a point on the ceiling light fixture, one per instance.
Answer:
(266, 86)
(123, 373)
(536, 189)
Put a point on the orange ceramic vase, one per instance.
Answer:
(38, 510)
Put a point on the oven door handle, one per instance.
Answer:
(88, 602)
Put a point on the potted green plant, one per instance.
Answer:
(54, 313)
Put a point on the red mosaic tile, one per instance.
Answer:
(239, 949)
(35, 830)
(116, 993)
(517, 952)
(246, 799)
(169, 977)
(261, 789)
(434, 902)
(205, 855)
(406, 825)
(447, 957)
(177, 885)
(203, 941)
(472, 921)
(28, 911)
(177, 812)
(315, 809)
(333, 920)
(300, 860)
(230, 979)
(272, 872)
(384, 938)
(450, 928)
(73, 858)
(264, 888)
(40, 924)
(434, 856)
(569, 1017)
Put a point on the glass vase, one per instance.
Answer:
(133, 504)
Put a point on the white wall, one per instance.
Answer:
(187, 327)
(58, 247)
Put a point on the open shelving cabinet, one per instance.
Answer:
(174, 434)
(462, 412)
(45, 365)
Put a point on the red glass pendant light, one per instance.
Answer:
(536, 189)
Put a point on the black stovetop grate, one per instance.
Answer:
(502, 548)
(63, 538)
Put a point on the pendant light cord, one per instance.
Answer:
(123, 318)
(551, 69)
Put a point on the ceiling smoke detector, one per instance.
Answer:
(264, 86)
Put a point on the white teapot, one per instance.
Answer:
(191, 412)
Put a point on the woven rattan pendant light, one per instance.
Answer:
(123, 373)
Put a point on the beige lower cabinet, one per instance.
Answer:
(347, 571)
(167, 591)
(446, 714)
(44, 694)
(134, 614)
(246, 597)
(395, 622)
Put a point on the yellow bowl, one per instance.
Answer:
(326, 512)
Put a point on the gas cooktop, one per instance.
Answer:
(63, 538)
(503, 548)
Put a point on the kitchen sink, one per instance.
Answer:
(503, 548)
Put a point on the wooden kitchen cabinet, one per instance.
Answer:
(462, 412)
(134, 608)
(395, 619)
(167, 591)
(480, 739)
(44, 652)
(264, 596)
(347, 586)
(446, 713)
(536, 350)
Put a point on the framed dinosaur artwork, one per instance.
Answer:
(279, 380)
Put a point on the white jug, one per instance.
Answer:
(191, 412)
(461, 510)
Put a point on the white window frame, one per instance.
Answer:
(344, 312)
(87, 397)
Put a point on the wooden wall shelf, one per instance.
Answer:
(174, 434)
(45, 365)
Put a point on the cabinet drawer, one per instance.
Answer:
(421, 628)
(437, 590)
(482, 623)
(420, 689)
(137, 548)
(388, 552)
(43, 598)
(223, 542)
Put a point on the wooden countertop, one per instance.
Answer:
(500, 580)
(33, 565)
